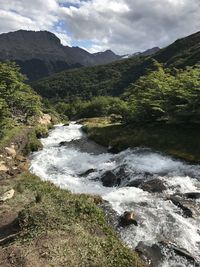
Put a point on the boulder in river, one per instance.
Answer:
(128, 218)
(192, 195)
(183, 205)
(154, 254)
(63, 143)
(135, 183)
(110, 179)
(86, 173)
(153, 186)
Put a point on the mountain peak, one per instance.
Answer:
(40, 53)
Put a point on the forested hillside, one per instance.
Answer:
(113, 79)
(18, 102)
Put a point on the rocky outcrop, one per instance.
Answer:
(45, 119)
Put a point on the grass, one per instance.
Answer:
(181, 141)
(58, 228)
(10, 134)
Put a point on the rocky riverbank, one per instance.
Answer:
(42, 225)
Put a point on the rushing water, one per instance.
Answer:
(158, 218)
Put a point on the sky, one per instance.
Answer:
(124, 26)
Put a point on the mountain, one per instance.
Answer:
(183, 52)
(41, 54)
(147, 52)
(112, 79)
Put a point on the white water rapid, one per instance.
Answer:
(159, 218)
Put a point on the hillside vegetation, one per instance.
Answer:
(18, 102)
(113, 79)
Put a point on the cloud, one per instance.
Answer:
(128, 26)
(121, 25)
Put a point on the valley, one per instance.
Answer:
(99, 156)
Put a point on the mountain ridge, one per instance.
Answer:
(113, 79)
(40, 53)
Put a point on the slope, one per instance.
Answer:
(114, 78)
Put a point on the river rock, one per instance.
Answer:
(63, 143)
(84, 145)
(86, 173)
(153, 186)
(7, 195)
(135, 183)
(192, 195)
(128, 218)
(183, 205)
(150, 254)
(110, 179)
(154, 254)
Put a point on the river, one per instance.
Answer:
(79, 165)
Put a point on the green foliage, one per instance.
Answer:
(163, 95)
(41, 131)
(183, 52)
(97, 106)
(18, 102)
(180, 140)
(33, 143)
(113, 79)
(86, 83)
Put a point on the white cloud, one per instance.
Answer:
(124, 26)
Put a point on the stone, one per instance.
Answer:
(86, 173)
(24, 166)
(11, 151)
(3, 167)
(45, 119)
(152, 255)
(153, 186)
(180, 203)
(63, 143)
(110, 179)
(20, 158)
(192, 195)
(135, 183)
(127, 219)
(7, 195)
